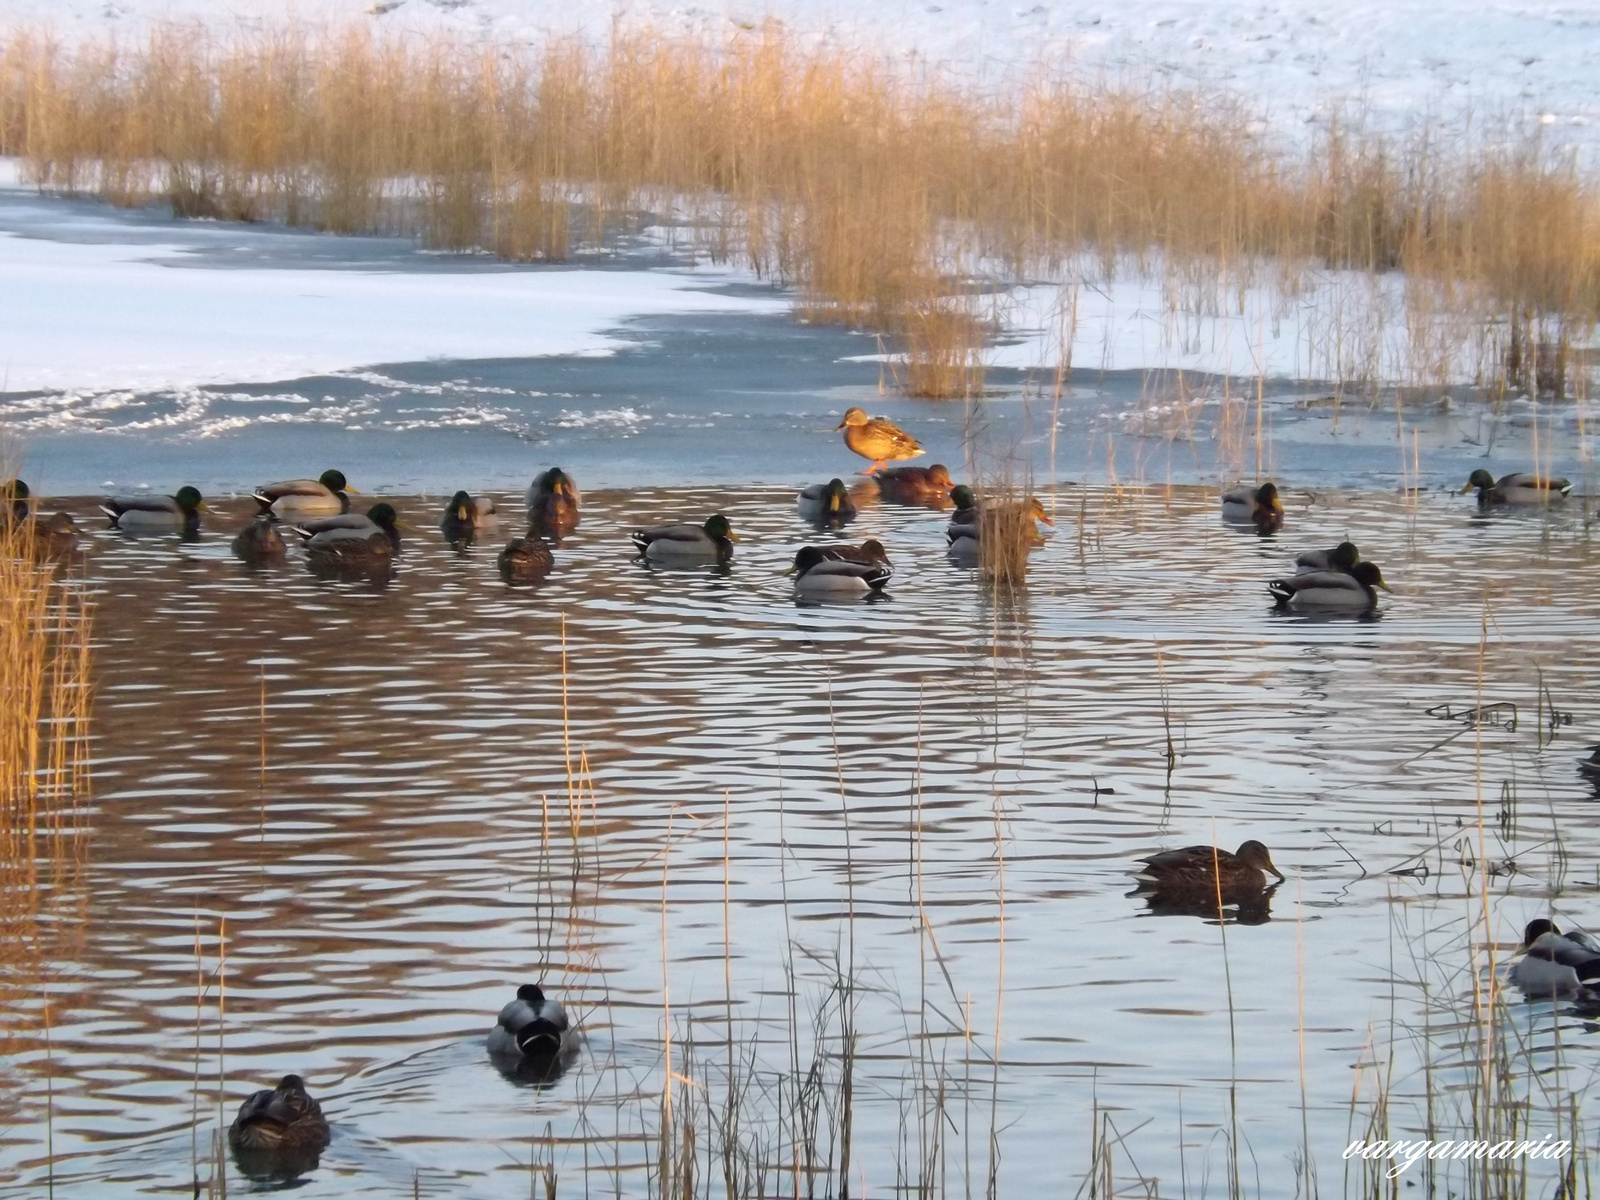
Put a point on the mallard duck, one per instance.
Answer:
(1198, 869)
(379, 520)
(1555, 963)
(303, 499)
(281, 1120)
(915, 485)
(1521, 488)
(1340, 558)
(553, 503)
(711, 542)
(350, 555)
(531, 1025)
(820, 576)
(877, 438)
(465, 515)
(178, 513)
(55, 536)
(15, 491)
(259, 540)
(828, 502)
(525, 560)
(868, 553)
(964, 536)
(1254, 506)
(1591, 766)
(1350, 590)
(966, 503)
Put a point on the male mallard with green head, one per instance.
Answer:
(178, 513)
(306, 499)
(465, 515)
(1521, 488)
(826, 503)
(821, 577)
(877, 438)
(351, 528)
(1342, 557)
(1351, 590)
(670, 544)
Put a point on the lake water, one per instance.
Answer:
(940, 796)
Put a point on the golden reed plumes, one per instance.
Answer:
(864, 185)
(44, 676)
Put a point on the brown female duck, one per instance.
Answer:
(1199, 868)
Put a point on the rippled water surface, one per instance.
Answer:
(361, 793)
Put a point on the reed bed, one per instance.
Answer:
(44, 675)
(883, 194)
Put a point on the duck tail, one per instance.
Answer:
(111, 510)
(539, 1036)
(264, 501)
(1281, 590)
(640, 542)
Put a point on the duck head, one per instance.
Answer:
(717, 526)
(384, 517)
(1344, 556)
(961, 497)
(1536, 929)
(1036, 510)
(15, 491)
(805, 558)
(939, 477)
(460, 507)
(335, 482)
(531, 993)
(835, 496)
(189, 500)
(874, 551)
(1479, 479)
(1368, 573)
(852, 416)
(1255, 854)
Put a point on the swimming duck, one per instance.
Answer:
(525, 560)
(1591, 766)
(259, 540)
(877, 438)
(178, 513)
(966, 503)
(1254, 506)
(819, 576)
(55, 536)
(1351, 590)
(1521, 488)
(553, 503)
(380, 519)
(531, 1024)
(963, 535)
(1555, 963)
(1198, 868)
(302, 499)
(828, 502)
(465, 515)
(868, 553)
(282, 1120)
(1340, 558)
(915, 485)
(711, 542)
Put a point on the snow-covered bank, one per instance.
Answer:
(1295, 60)
(104, 310)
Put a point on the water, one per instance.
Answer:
(386, 835)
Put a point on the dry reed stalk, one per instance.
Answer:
(865, 185)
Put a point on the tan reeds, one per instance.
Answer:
(875, 190)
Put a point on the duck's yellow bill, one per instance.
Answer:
(1384, 586)
(1464, 490)
(354, 491)
(732, 536)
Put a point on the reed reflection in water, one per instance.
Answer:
(404, 799)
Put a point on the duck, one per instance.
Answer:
(465, 515)
(1591, 766)
(915, 485)
(868, 553)
(826, 502)
(531, 1025)
(525, 559)
(284, 1120)
(1350, 590)
(258, 540)
(1339, 558)
(1520, 488)
(15, 491)
(1199, 868)
(379, 520)
(303, 499)
(178, 513)
(877, 439)
(966, 503)
(1254, 506)
(349, 553)
(55, 536)
(1555, 963)
(553, 503)
(963, 535)
(711, 542)
(817, 575)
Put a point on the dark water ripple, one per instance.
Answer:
(370, 784)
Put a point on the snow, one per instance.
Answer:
(1296, 60)
(105, 314)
